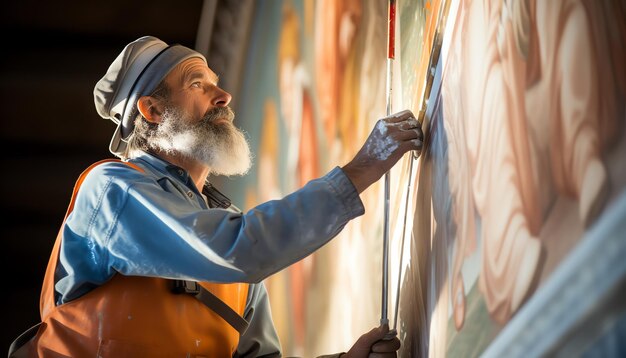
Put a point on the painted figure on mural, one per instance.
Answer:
(336, 25)
(302, 148)
(295, 103)
(337, 55)
(538, 111)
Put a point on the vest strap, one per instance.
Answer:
(21, 340)
(212, 302)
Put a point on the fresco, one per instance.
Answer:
(315, 74)
(526, 153)
(525, 135)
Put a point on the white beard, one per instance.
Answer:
(221, 146)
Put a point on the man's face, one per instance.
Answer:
(198, 124)
(194, 88)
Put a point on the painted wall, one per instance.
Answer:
(314, 85)
(524, 153)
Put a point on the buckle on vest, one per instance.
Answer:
(183, 286)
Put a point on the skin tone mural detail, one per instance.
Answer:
(530, 124)
(500, 178)
(337, 23)
(524, 157)
(568, 159)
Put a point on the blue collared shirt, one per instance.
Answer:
(155, 223)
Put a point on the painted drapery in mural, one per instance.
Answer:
(525, 154)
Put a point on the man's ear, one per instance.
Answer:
(150, 108)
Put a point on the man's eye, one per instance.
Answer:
(196, 85)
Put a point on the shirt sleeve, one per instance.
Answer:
(133, 226)
(260, 339)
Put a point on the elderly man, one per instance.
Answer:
(152, 260)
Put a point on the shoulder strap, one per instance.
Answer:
(212, 302)
(21, 340)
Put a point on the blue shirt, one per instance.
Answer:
(155, 223)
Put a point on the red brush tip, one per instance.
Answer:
(392, 30)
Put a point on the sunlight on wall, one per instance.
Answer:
(522, 104)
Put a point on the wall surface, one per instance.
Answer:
(525, 164)
(523, 108)
(314, 85)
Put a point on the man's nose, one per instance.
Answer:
(220, 98)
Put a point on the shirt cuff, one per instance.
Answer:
(346, 192)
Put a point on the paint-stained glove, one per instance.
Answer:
(389, 140)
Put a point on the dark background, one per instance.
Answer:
(52, 55)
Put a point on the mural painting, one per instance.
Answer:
(322, 65)
(525, 131)
(526, 153)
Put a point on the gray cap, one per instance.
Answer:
(136, 72)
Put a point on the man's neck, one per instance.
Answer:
(198, 171)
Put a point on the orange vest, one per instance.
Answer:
(132, 316)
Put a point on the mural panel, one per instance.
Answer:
(316, 72)
(526, 153)
(525, 147)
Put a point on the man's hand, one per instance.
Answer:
(371, 345)
(389, 140)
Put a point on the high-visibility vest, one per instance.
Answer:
(133, 316)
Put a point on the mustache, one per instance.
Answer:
(218, 113)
